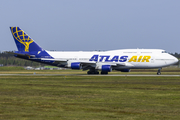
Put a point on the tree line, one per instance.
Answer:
(7, 59)
(177, 55)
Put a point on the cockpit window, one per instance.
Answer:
(164, 52)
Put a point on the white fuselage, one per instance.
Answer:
(125, 58)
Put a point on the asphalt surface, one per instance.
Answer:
(88, 75)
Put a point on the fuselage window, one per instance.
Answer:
(164, 52)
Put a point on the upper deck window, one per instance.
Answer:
(129, 52)
(146, 52)
(164, 51)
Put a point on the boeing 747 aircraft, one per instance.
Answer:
(121, 60)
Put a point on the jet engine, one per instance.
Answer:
(106, 68)
(76, 65)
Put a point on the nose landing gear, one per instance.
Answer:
(159, 71)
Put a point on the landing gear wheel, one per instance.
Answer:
(159, 71)
(92, 72)
(104, 73)
(97, 72)
(89, 72)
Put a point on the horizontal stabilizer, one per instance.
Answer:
(23, 55)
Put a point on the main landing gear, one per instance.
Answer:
(159, 71)
(96, 73)
(104, 73)
(92, 72)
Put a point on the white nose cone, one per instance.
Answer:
(171, 60)
(176, 60)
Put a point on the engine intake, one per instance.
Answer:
(106, 68)
(76, 65)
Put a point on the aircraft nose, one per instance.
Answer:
(176, 60)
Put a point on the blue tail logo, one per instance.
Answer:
(23, 41)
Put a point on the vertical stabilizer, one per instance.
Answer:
(23, 42)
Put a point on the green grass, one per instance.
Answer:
(11, 68)
(89, 97)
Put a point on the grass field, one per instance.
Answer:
(89, 97)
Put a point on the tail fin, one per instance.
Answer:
(23, 41)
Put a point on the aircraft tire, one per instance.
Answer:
(104, 73)
(89, 72)
(158, 73)
(92, 72)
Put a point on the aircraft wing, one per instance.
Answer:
(125, 64)
(86, 63)
(56, 60)
(115, 64)
(23, 55)
(65, 60)
(60, 61)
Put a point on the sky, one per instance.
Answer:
(88, 25)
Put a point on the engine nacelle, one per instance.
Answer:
(125, 70)
(106, 68)
(76, 65)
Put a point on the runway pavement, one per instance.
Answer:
(89, 75)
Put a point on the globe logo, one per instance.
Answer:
(22, 37)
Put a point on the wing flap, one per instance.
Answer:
(125, 64)
(56, 60)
